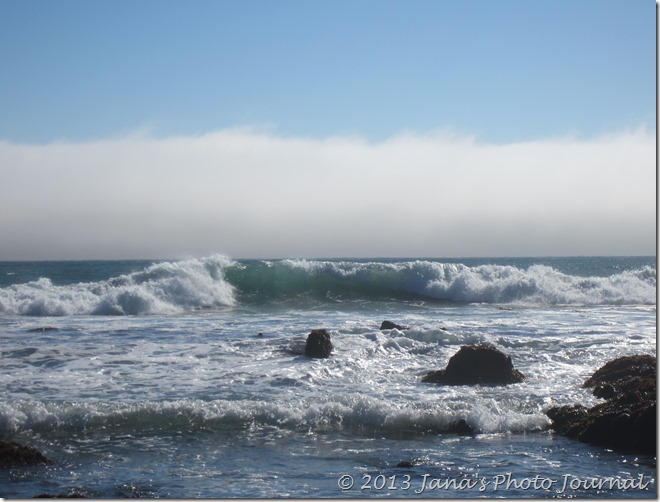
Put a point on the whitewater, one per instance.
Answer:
(175, 287)
(187, 378)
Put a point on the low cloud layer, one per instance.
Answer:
(249, 193)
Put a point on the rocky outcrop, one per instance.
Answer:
(626, 420)
(16, 455)
(319, 344)
(477, 364)
(624, 375)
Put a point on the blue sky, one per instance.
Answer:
(273, 128)
(500, 70)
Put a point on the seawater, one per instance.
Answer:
(187, 378)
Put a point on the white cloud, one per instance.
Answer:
(250, 193)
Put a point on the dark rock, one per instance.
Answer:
(565, 418)
(462, 428)
(620, 370)
(318, 344)
(405, 463)
(434, 376)
(626, 420)
(73, 495)
(604, 391)
(411, 463)
(16, 455)
(477, 364)
(391, 325)
(628, 375)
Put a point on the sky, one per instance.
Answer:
(343, 128)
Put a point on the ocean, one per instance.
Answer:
(187, 378)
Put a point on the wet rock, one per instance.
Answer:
(606, 391)
(626, 374)
(409, 463)
(73, 495)
(565, 418)
(477, 364)
(626, 420)
(15, 455)
(391, 325)
(462, 428)
(319, 344)
(42, 329)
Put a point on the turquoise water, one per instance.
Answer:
(150, 379)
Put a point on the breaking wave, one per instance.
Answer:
(218, 281)
(437, 281)
(167, 287)
(361, 414)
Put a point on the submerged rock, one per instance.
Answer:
(462, 428)
(410, 463)
(72, 495)
(42, 329)
(319, 344)
(391, 325)
(626, 420)
(477, 364)
(16, 455)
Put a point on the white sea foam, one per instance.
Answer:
(172, 287)
(201, 395)
(535, 285)
(167, 287)
(541, 284)
(344, 411)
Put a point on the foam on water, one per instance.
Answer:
(162, 288)
(218, 391)
(135, 374)
(538, 284)
(172, 287)
(364, 415)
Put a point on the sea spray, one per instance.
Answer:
(314, 281)
(217, 281)
(187, 400)
(162, 288)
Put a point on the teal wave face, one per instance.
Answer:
(293, 281)
(324, 281)
(219, 282)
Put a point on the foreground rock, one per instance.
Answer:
(16, 455)
(477, 364)
(626, 420)
(319, 344)
(624, 375)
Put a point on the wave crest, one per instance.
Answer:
(167, 287)
(541, 285)
(364, 414)
(437, 281)
(216, 281)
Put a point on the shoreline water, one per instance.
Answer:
(190, 402)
